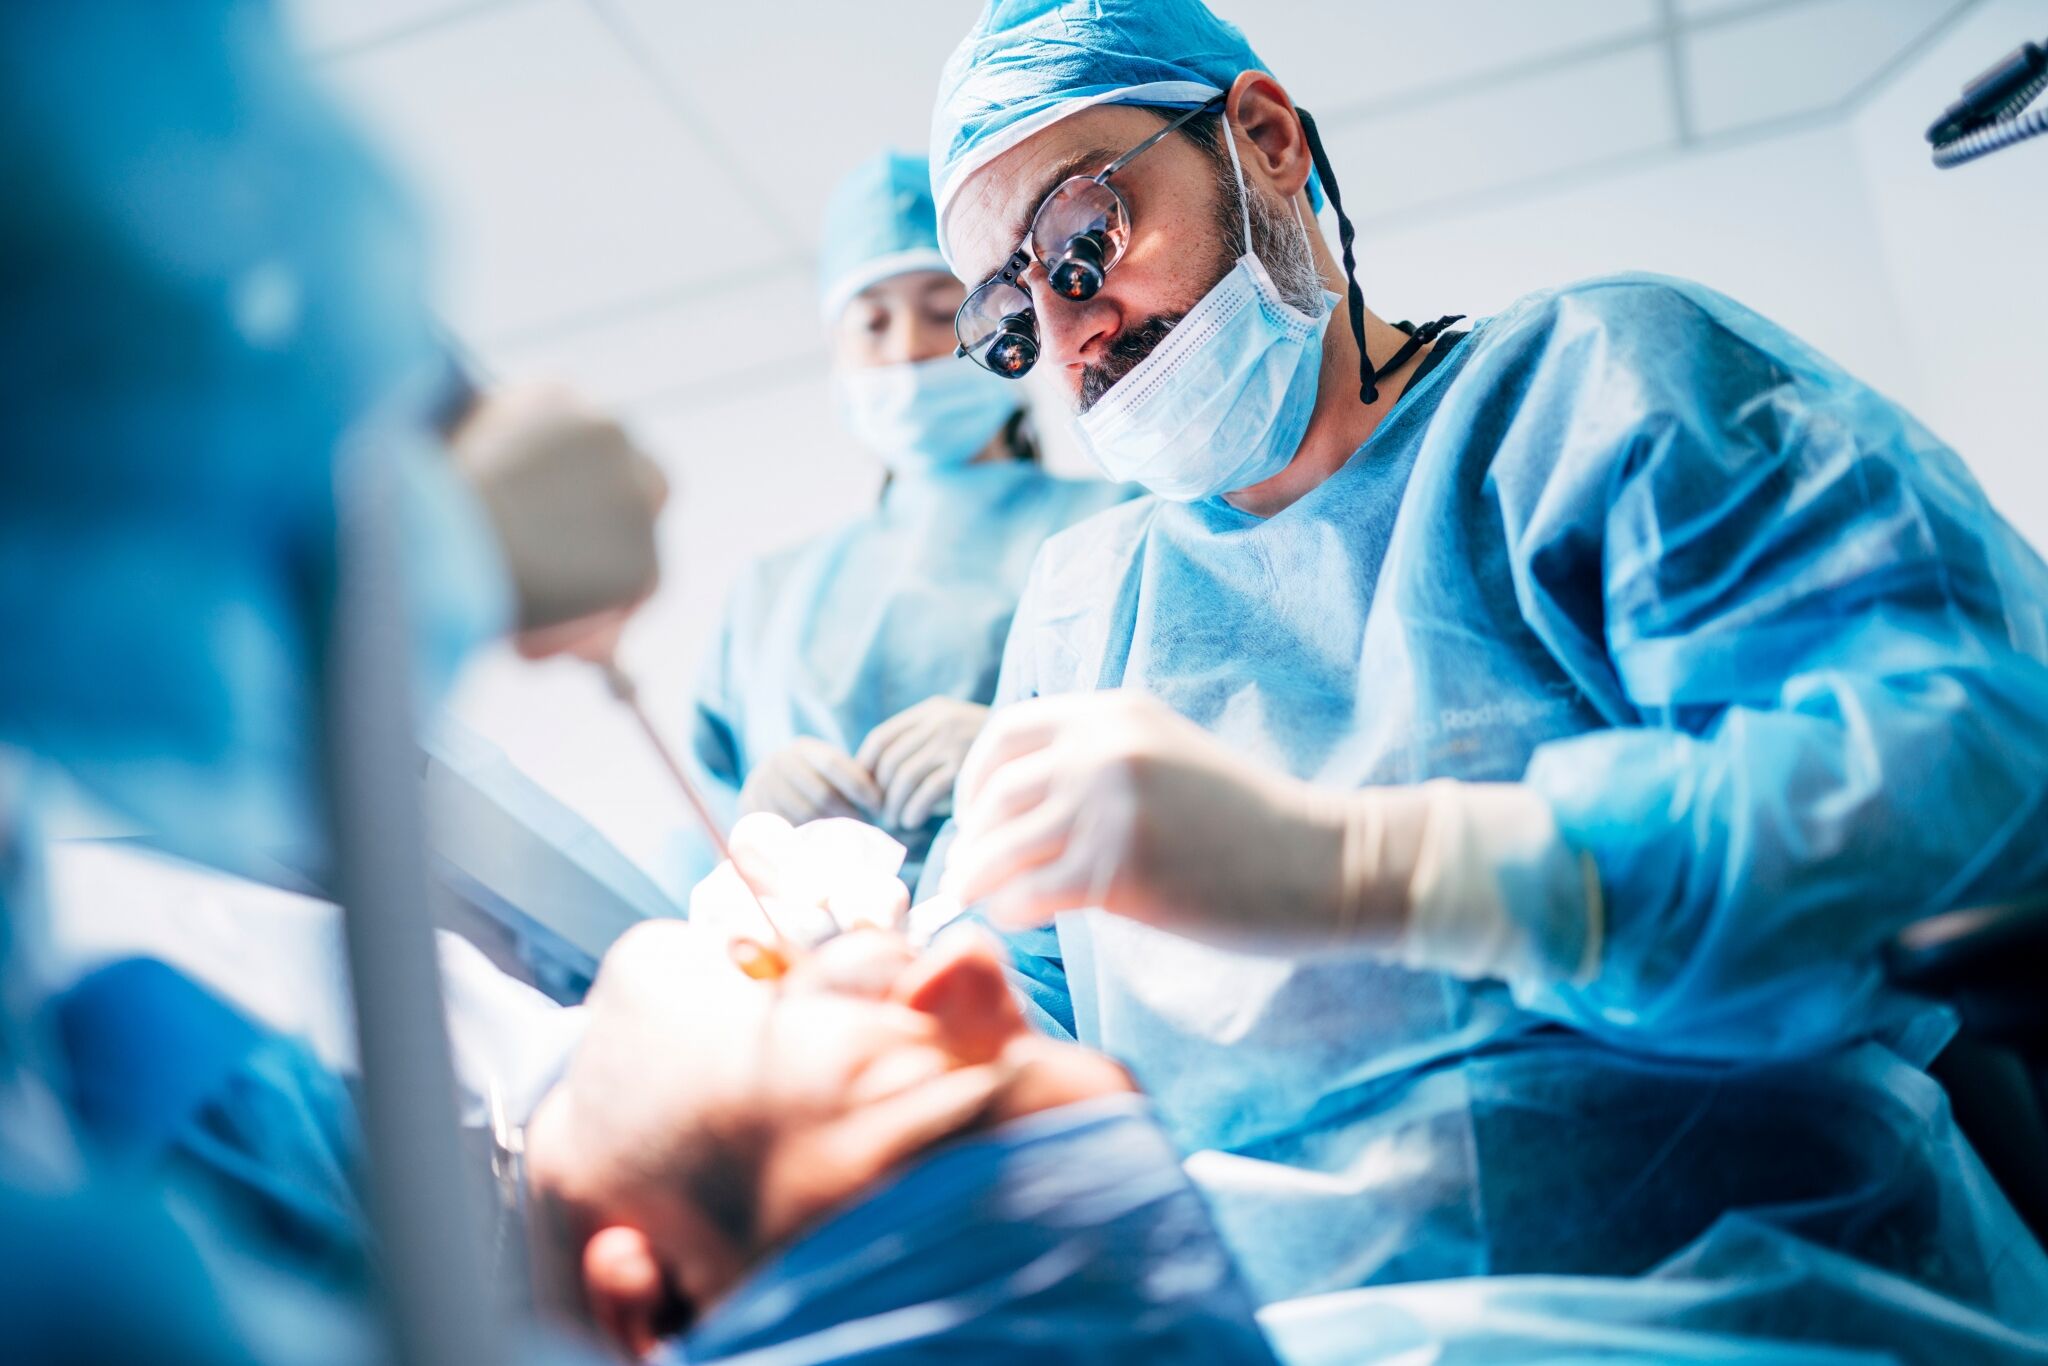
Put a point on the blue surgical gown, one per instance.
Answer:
(1069, 1235)
(1775, 664)
(912, 601)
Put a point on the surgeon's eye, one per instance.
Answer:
(940, 303)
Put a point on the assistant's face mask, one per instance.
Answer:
(1223, 402)
(925, 415)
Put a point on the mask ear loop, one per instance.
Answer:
(1244, 202)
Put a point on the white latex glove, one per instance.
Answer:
(809, 780)
(1113, 800)
(916, 755)
(815, 879)
(574, 503)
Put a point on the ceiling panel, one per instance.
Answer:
(627, 190)
(802, 93)
(1503, 134)
(1797, 60)
(1339, 54)
(324, 26)
(558, 180)
(1691, 10)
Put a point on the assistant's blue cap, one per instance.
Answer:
(1027, 64)
(878, 223)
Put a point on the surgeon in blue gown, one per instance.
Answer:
(1509, 748)
(852, 672)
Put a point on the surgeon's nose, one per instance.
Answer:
(1071, 333)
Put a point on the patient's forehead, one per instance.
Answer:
(654, 956)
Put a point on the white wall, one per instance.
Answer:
(1966, 257)
(763, 469)
(1784, 225)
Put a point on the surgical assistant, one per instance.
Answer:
(851, 672)
(1721, 626)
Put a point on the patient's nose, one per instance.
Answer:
(861, 962)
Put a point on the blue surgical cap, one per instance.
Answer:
(879, 223)
(1027, 64)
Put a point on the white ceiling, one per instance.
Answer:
(626, 191)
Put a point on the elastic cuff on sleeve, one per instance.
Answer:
(1496, 893)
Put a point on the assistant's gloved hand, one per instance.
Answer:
(1113, 800)
(916, 755)
(809, 779)
(574, 503)
(816, 880)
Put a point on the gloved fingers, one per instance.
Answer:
(878, 740)
(933, 756)
(847, 779)
(930, 794)
(1011, 733)
(804, 795)
(1100, 837)
(788, 786)
(1016, 789)
(1035, 895)
(903, 749)
(982, 865)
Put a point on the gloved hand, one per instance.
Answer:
(1113, 800)
(809, 780)
(815, 880)
(574, 504)
(916, 755)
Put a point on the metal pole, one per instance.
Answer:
(434, 1285)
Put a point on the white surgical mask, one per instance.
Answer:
(1223, 401)
(925, 415)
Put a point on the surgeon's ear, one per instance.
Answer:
(1259, 106)
(628, 1293)
(960, 984)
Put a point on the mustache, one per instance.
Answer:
(1124, 356)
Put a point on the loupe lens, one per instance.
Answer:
(1079, 232)
(1076, 273)
(1015, 349)
(997, 315)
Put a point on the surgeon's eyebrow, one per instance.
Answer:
(1057, 176)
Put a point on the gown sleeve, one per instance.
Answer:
(1824, 653)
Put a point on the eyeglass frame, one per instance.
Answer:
(1024, 257)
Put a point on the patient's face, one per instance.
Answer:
(712, 1117)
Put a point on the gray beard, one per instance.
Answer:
(1279, 240)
